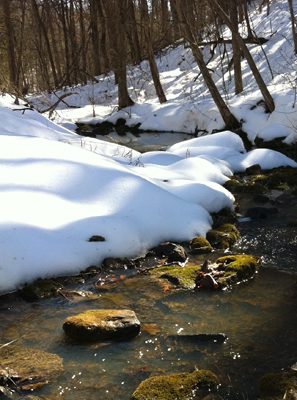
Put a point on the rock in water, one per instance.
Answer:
(177, 386)
(28, 368)
(95, 325)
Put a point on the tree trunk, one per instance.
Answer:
(293, 25)
(133, 31)
(229, 119)
(47, 43)
(150, 51)
(115, 13)
(174, 14)
(95, 38)
(236, 48)
(263, 88)
(103, 47)
(9, 31)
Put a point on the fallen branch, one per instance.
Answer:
(54, 106)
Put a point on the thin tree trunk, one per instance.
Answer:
(247, 19)
(134, 33)
(9, 31)
(103, 46)
(47, 43)
(150, 51)
(229, 119)
(262, 86)
(95, 38)
(293, 25)
(83, 45)
(236, 48)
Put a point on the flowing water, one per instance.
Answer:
(259, 318)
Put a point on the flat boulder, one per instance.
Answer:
(97, 325)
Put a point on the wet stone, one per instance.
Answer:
(97, 325)
(40, 289)
(174, 252)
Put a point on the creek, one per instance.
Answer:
(258, 317)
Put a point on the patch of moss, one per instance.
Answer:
(282, 176)
(223, 237)
(40, 289)
(259, 178)
(279, 385)
(239, 267)
(183, 276)
(176, 387)
(200, 245)
(239, 187)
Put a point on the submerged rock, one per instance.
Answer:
(95, 325)
(28, 368)
(40, 289)
(261, 212)
(177, 386)
(277, 386)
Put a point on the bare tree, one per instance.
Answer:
(263, 88)
(229, 119)
(150, 51)
(293, 21)
(236, 48)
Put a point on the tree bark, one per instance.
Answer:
(293, 25)
(47, 43)
(229, 119)
(150, 51)
(115, 13)
(262, 86)
(95, 38)
(236, 48)
(9, 31)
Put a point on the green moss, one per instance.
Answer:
(238, 187)
(259, 178)
(176, 387)
(199, 245)
(242, 265)
(223, 237)
(183, 276)
(282, 176)
(40, 289)
(276, 386)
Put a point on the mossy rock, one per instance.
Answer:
(239, 268)
(176, 387)
(278, 386)
(40, 289)
(200, 245)
(96, 325)
(184, 277)
(223, 237)
(282, 176)
(235, 186)
(28, 367)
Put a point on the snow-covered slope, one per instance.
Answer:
(57, 189)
